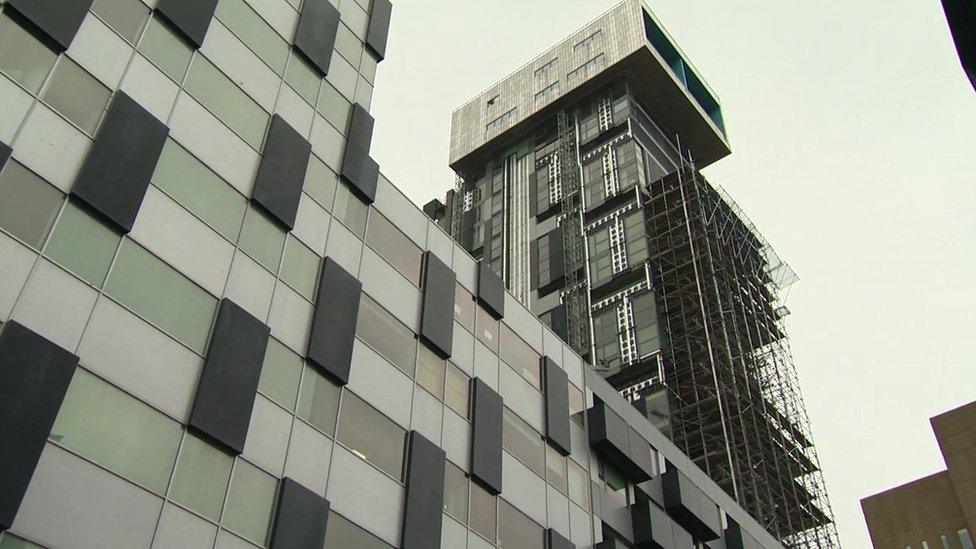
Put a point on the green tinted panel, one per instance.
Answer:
(253, 31)
(113, 429)
(300, 268)
(280, 374)
(192, 184)
(77, 95)
(10, 541)
(127, 17)
(367, 67)
(201, 477)
(162, 295)
(319, 401)
(22, 57)
(227, 101)
(250, 502)
(165, 49)
(350, 211)
(321, 182)
(334, 107)
(262, 239)
(28, 205)
(303, 79)
(84, 244)
(348, 45)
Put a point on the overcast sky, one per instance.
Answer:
(853, 130)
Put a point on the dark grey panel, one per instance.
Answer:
(301, 518)
(316, 33)
(555, 540)
(737, 537)
(116, 173)
(652, 527)
(423, 502)
(491, 290)
(610, 436)
(559, 321)
(59, 20)
(34, 376)
(689, 505)
(334, 321)
(4, 154)
(190, 17)
(278, 185)
(486, 436)
(437, 308)
(358, 168)
(557, 406)
(225, 395)
(640, 453)
(379, 27)
(557, 261)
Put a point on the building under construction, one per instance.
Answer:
(579, 183)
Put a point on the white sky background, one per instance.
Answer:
(853, 131)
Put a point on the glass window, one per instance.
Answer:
(192, 184)
(593, 182)
(579, 486)
(320, 182)
(430, 371)
(524, 442)
(576, 404)
(606, 337)
(77, 95)
(28, 204)
(456, 493)
(370, 435)
(613, 482)
(339, 532)
(250, 502)
(601, 256)
(201, 477)
(405, 256)
(227, 101)
(482, 508)
(318, 402)
(280, 374)
(267, 44)
(645, 323)
(519, 355)
(127, 17)
(386, 335)
(464, 307)
(83, 244)
(630, 165)
(964, 539)
(303, 79)
(348, 45)
(350, 210)
(22, 57)
(636, 237)
(487, 331)
(334, 107)
(262, 239)
(117, 431)
(300, 268)
(161, 46)
(162, 295)
(517, 531)
(456, 393)
(556, 469)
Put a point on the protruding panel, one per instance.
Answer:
(640, 453)
(559, 322)
(4, 154)
(59, 20)
(557, 263)
(555, 540)
(191, 17)
(652, 526)
(424, 499)
(278, 186)
(316, 34)
(301, 518)
(557, 406)
(737, 538)
(379, 27)
(486, 436)
(491, 290)
(116, 173)
(437, 310)
(334, 321)
(34, 376)
(357, 167)
(689, 506)
(610, 436)
(225, 395)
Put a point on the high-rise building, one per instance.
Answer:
(222, 327)
(937, 511)
(579, 183)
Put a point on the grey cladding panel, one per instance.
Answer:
(334, 321)
(34, 376)
(640, 453)
(278, 185)
(4, 154)
(555, 540)
(491, 290)
(301, 518)
(424, 495)
(225, 395)
(358, 169)
(610, 436)
(689, 506)
(316, 33)
(437, 309)
(486, 436)
(59, 20)
(557, 406)
(737, 538)
(379, 27)
(652, 526)
(116, 173)
(191, 17)
(557, 262)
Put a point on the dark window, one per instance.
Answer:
(517, 531)
(606, 338)
(636, 236)
(430, 371)
(456, 493)
(483, 512)
(464, 307)
(370, 435)
(524, 442)
(487, 329)
(387, 335)
(601, 256)
(594, 182)
(394, 246)
(519, 355)
(342, 533)
(645, 324)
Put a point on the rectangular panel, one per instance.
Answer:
(491, 290)
(640, 453)
(357, 167)
(228, 384)
(610, 436)
(316, 33)
(281, 174)
(4, 154)
(192, 18)
(557, 406)
(684, 501)
(557, 264)
(34, 376)
(486, 436)
(652, 526)
(737, 538)
(379, 27)
(424, 498)
(555, 540)
(334, 321)
(59, 20)
(301, 518)
(437, 310)
(115, 175)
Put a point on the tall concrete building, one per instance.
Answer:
(937, 511)
(579, 183)
(222, 327)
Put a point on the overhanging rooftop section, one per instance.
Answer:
(626, 42)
